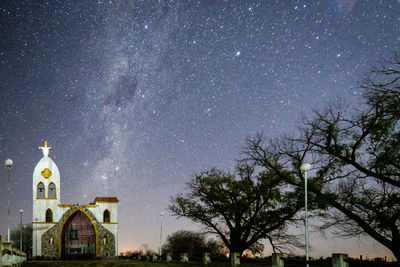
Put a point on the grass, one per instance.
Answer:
(126, 263)
(136, 263)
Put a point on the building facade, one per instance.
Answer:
(69, 230)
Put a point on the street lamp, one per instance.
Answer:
(304, 168)
(25, 239)
(20, 230)
(161, 216)
(36, 237)
(8, 164)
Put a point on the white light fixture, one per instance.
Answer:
(20, 230)
(305, 167)
(8, 164)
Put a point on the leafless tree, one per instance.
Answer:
(355, 155)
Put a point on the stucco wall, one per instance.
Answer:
(41, 205)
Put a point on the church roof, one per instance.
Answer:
(106, 199)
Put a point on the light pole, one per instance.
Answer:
(36, 237)
(304, 168)
(8, 164)
(161, 216)
(20, 230)
(25, 240)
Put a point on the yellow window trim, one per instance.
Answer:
(55, 191)
(37, 191)
(51, 214)
(105, 201)
(109, 215)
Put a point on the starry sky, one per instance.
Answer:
(137, 96)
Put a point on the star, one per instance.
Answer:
(137, 96)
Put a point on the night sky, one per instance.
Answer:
(137, 96)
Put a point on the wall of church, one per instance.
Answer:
(44, 232)
(108, 247)
(112, 226)
(51, 243)
(102, 206)
(38, 229)
(46, 236)
(45, 172)
(42, 205)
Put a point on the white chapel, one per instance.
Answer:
(69, 230)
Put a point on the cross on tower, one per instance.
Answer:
(46, 149)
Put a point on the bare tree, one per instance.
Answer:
(356, 158)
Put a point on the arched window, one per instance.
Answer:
(52, 190)
(49, 215)
(40, 190)
(106, 216)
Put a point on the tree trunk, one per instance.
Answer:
(236, 248)
(396, 252)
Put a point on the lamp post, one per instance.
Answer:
(25, 240)
(304, 168)
(161, 216)
(20, 230)
(8, 164)
(36, 237)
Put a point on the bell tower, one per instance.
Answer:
(46, 197)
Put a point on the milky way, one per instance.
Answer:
(137, 96)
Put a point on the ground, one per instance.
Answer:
(135, 263)
(125, 263)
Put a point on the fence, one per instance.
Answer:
(10, 255)
(276, 260)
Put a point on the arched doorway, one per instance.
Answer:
(78, 237)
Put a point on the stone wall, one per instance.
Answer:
(49, 241)
(105, 239)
